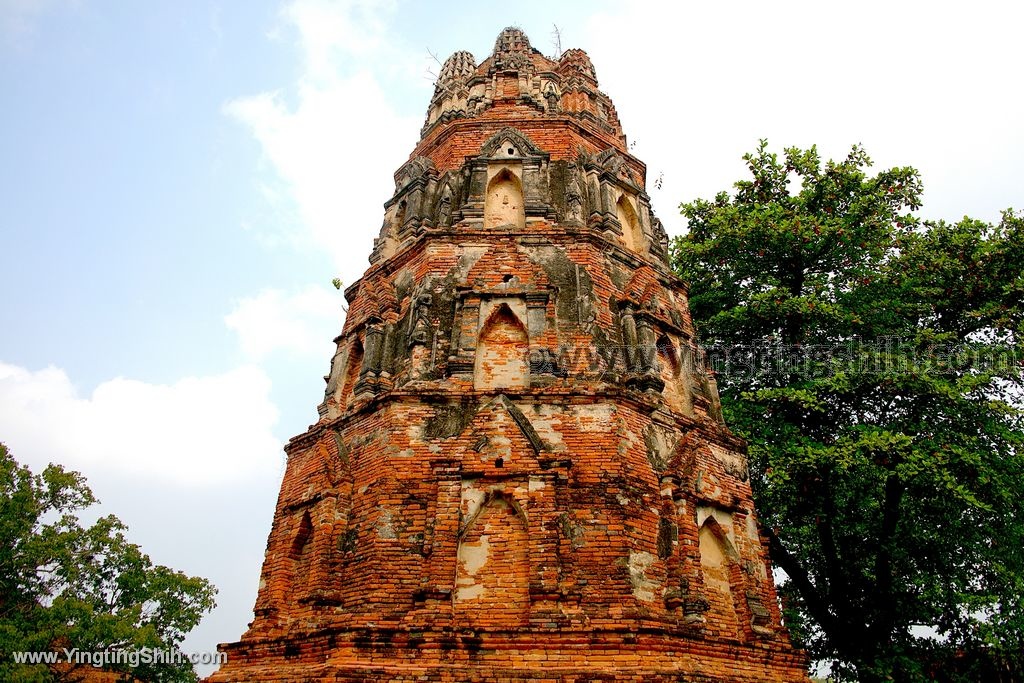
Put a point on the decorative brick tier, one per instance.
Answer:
(520, 470)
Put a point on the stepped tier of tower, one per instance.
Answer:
(520, 470)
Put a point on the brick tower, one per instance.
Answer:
(520, 470)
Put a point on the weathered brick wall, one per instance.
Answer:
(561, 137)
(520, 471)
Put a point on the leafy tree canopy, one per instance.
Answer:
(65, 585)
(873, 362)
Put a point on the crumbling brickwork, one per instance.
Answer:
(520, 470)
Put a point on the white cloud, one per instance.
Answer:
(335, 147)
(331, 29)
(301, 323)
(198, 431)
(192, 468)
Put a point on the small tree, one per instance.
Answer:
(873, 362)
(64, 585)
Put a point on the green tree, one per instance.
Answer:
(65, 585)
(873, 363)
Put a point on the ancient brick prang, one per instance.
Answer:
(520, 470)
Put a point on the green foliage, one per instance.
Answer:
(873, 362)
(65, 585)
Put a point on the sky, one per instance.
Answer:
(181, 181)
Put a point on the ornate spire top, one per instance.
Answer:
(458, 67)
(512, 39)
(517, 76)
(576, 62)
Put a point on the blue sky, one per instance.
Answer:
(181, 181)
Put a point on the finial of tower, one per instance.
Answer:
(512, 39)
(576, 62)
(458, 67)
(517, 76)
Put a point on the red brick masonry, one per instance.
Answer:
(520, 472)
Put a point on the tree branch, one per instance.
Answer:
(816, 604)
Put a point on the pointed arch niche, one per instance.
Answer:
(670, 364)
(504, 203)
(353, 364)
(632, 234)
(718, 558)
(299, 553)
(502, 351)
(492, 582)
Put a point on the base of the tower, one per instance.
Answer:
(506, 657)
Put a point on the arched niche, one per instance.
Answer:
(353, 364)
(502, 352)
(504, 203)
(302, 537)
(718, 560)
(492, 583)
(632, 233)
(670, 365)
(300, 553)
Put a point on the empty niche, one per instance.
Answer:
(353, 364)
(670, 366)
(493, 576)
(299, 551)
(501, 352)
(504, 202)
(716, 559)
(400, 215)
(630, 222)
(509, 87)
